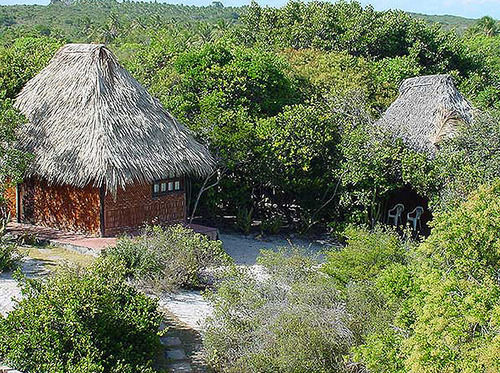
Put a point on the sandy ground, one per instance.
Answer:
(9, 290)
(188, 306)
(245, 249)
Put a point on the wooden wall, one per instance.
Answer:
(78, 209)
(10, 196)
(136, 206)
(62, 206)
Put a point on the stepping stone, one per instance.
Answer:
(170, 341)
(180, 367)
(176, 354)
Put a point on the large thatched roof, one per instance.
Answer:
(428, 110)
(91, 122)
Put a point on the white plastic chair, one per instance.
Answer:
(395, 214)
(415, 220)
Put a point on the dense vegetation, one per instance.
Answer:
(381, 303)
(282, 96)
(292, 320)
(286, 99)
(82, 320)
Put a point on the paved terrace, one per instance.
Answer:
(68, 240)
(77, 241)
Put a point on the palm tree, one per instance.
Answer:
(487, 26)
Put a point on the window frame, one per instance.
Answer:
(167, 181)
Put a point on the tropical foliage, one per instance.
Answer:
(281, 95)
(286, 98)
(81, 320)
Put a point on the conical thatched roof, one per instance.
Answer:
(428, 110)
(91, 122)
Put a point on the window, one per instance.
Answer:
(166, 186)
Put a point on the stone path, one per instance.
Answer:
(182, 347)
(188, 306)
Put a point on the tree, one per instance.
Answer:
(13, 162)
(22, 61)
(465, 162)
(487, 26)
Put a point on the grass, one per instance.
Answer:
(53, 256)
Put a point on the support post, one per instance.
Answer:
(18, 203)
(102, 195)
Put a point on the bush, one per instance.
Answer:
(169, 258)
(244, 220)
(366, 254)
(81, 321)
(9, 256)
(448, 296)
(288, 319)
(457, 330)
(272, 225)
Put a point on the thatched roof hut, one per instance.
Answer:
(91, 123)
(428, 110)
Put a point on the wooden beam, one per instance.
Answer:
(102, 196)
(18, 203)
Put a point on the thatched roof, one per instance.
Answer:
(428, 110)
(91, 122)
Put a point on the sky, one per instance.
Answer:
(464, 8)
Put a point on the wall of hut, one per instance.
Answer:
(61, 206)
(79, 209)
(10, 197)
(135, 206)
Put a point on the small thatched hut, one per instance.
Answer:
(107, 156)
(428, 110)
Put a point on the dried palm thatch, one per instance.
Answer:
(91, 122)
(429, 109)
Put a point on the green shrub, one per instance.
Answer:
(366, 254)
(169, 258)
(272, 225)
(81, 320)
(458, 319)
(9, 256)
(467, 239)
(447, 296)
(287, 319)
(244, 220)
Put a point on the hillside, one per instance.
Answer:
(82, 17)
(78, 18)
(447, 21)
